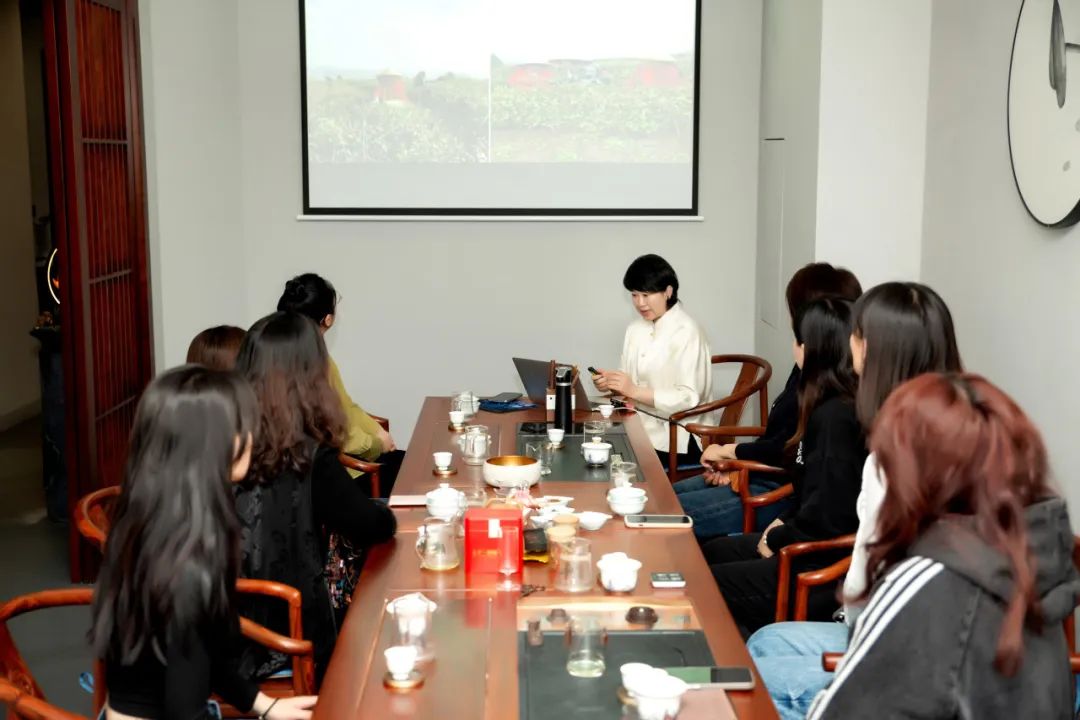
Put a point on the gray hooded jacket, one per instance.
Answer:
(924, 646)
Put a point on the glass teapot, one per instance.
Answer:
(436, 545)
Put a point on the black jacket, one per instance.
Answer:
(783, 421)
(284, 537)
(925, 645)
(827, 477)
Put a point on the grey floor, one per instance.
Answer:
(34, 556)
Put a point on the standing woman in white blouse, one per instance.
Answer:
(666, 363)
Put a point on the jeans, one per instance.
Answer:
(717, 510)
(788, 657)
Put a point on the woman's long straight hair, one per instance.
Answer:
(172, 553)
(908, 331)
(285, 360)
(956, 444)
(823, 328)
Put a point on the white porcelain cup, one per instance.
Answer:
(556, 435)
(596, 452)
(606, 410)
(400, 660)
(457, 418)
(443, 459)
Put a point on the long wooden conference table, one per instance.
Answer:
(476, 628)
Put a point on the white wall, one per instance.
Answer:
(787, 198)
(192, 120)
(1012, 285)
(875, 58)
(843, 127)
(428, 307)
(19, 387)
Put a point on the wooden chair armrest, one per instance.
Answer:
(748, 465)
(270, 588)
(1074, 663)
(24, 705)
(382, 421)
(830, 660)
(844, 542)
(768, 498)
(787, 554)
(363, 466)
(812, 578)
(732, 399)
(275, 641)
(709, 431)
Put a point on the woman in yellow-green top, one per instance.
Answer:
(313, 296)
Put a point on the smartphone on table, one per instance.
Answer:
(703, 676)
(659, 521)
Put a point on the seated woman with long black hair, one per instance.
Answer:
(708, 499)
(164, 613)
(827, 454)
(971, 572)
(314, 296)
(297, 493)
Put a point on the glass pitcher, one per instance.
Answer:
(476, 445)
(436, 545)
(575, 571)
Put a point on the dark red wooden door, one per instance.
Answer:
(97, 128)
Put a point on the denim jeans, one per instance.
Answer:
(717, 510)
(788, 657)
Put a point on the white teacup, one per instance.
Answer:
(626, 500)
(618, 573)
(596, 452)
(400, 660)
(606, 411)
(457, 418)
(443, 459)
(659, 695)
(556, 435)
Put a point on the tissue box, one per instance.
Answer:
(488, 532)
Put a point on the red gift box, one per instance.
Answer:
(489, 532)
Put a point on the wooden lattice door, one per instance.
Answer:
(98, 170)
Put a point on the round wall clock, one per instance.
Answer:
(1044, 110)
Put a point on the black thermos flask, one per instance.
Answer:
(564, 411)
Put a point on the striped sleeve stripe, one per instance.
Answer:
(910, 577)
(894, 583)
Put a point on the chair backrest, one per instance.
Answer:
(93, 514)
(753, 378)
(18, 688)
(93, 517)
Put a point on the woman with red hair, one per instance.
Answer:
(971, 569)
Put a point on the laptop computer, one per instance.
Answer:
(534, 376)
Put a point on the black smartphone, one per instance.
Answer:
(658, 521)
(728, 678)
(593, 370)
(505, 397)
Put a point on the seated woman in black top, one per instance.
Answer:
(827, 454)
(164, 616)
(297, 492)
(716, 508)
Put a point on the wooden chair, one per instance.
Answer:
(18, 688)
(753, 379)
(93, 519)
(830, 660)
(741, 470)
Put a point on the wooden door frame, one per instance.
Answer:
(69, 187)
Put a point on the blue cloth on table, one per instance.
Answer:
(502, 407)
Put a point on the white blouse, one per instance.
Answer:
(671, 356)
(867, 506)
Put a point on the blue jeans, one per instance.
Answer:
(717, 510)
(788, 657)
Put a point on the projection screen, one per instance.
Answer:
(499, 107)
